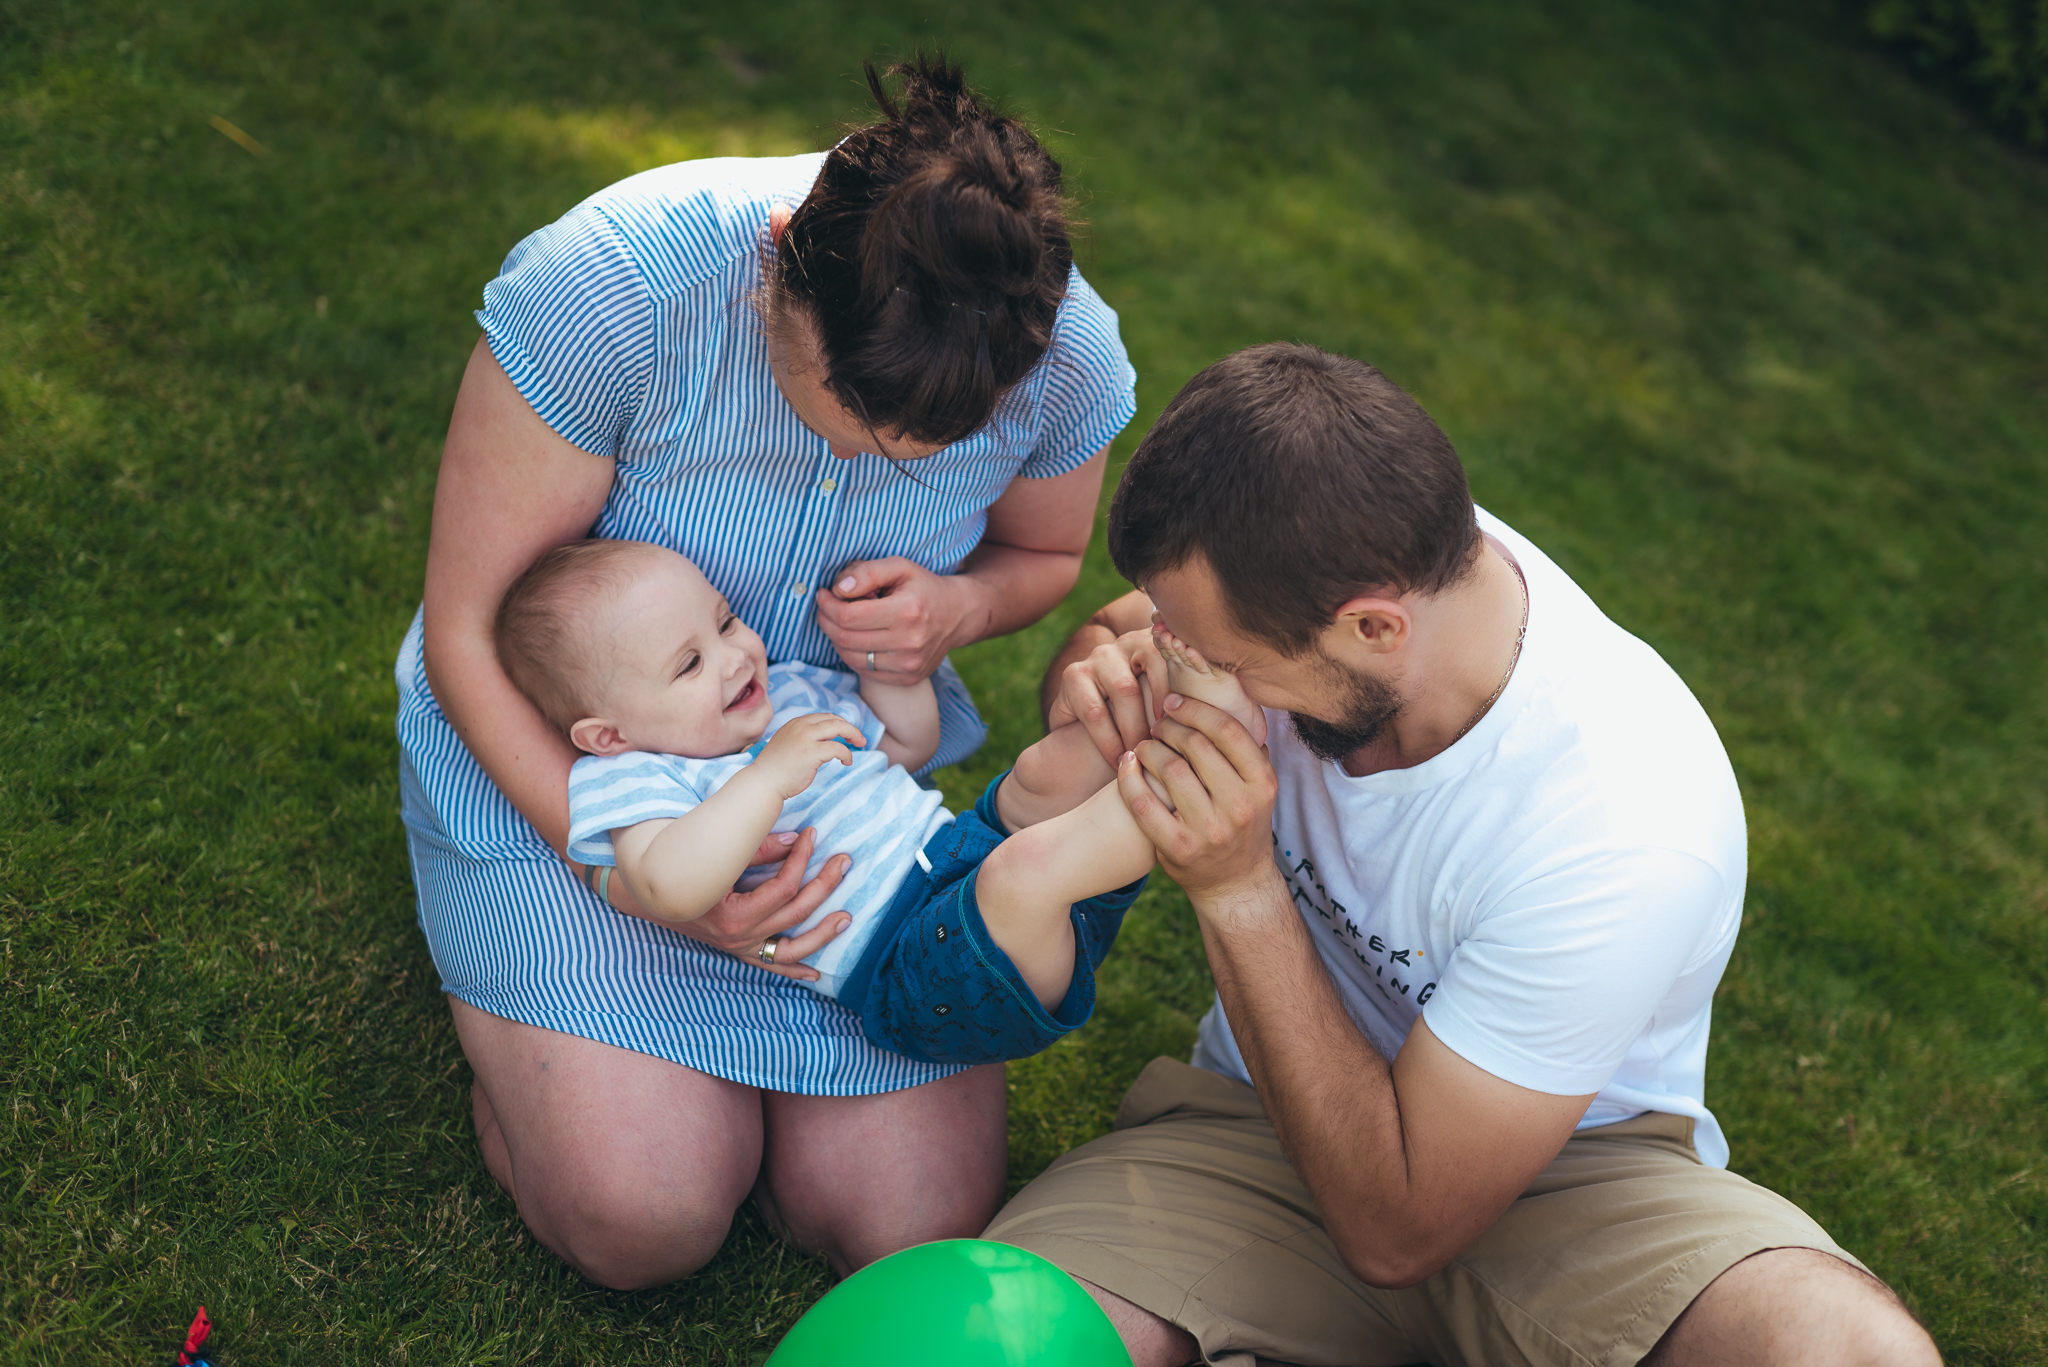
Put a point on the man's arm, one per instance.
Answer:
(1409, 1162)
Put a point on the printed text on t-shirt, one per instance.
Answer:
(1368, 948)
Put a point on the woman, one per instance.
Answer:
(868, 394)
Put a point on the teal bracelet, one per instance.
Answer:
(604, 885)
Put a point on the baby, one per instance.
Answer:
(972, 939)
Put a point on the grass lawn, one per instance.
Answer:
(1745, 328)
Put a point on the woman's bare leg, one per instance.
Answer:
(859, 1177)
(627, 1166)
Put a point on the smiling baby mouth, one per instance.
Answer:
(746, 697)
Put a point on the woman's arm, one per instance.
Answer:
(511, 488)
(1028, 559)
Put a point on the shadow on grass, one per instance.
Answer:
(1740, 326)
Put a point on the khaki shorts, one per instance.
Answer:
(1189, 1209)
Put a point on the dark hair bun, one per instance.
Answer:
(930, 257)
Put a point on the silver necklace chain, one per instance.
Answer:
(1513, 660)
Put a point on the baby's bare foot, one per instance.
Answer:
(1191, 676)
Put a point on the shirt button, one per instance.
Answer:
(828, 484)
(798, 590)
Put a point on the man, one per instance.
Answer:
(1465, 913)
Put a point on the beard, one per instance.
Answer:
(1365, 706)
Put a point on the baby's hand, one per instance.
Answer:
(790, 761)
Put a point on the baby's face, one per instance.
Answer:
(688, 677)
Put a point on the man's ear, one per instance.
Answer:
(1370, 624)
(778, 219)
(596, 736)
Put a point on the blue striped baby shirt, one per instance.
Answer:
(629, 326)
(872, 810)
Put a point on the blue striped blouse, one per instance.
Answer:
(629, 326)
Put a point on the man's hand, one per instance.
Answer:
(1115, 692)
(1132, 612)
(790, 761)
(1218, 844)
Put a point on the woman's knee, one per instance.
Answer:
(617, 1233)
(858, 1178)
(628, 1167)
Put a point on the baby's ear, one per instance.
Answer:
(596, 736)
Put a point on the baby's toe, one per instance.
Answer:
(1173, 648)
(1191, 659)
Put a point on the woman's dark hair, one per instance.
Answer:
(930, 258)
(1302, 479)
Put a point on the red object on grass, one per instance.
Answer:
(195, 1338)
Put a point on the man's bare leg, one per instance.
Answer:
(1789, 1306)
(1779, 1308)
(1150, 1340)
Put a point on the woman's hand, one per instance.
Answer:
(1115, 692)
(1029, 556)
(902, 612)
(743, 921)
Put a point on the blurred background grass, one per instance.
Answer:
(1735, 320)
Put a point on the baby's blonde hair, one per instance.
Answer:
(548, 633)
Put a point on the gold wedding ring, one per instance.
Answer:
(871, 662)
(766, 953)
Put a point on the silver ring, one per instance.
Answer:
(871, 662)
(766, 953)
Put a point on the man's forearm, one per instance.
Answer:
(1409, 1162)
(1328, 1092)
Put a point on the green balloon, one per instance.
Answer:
(955, 1303)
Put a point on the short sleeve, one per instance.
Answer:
(608, 793)
(1551, 991)
(571, 321)
(1091, 392)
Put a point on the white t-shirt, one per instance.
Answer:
(1558, 892)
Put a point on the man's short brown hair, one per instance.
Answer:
(549, 642)
(1303, 479)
